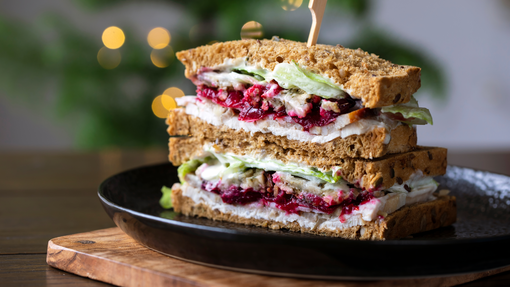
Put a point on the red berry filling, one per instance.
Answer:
(290, 203)
(252, 105)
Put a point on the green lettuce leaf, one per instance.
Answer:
(292, 76)
(166, 199)
(239, 163)
(411, 112)
(187, 167)
(315, 77)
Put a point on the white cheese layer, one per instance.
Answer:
(219, 116)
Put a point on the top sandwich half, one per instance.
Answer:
(317, 94)
(335, 69)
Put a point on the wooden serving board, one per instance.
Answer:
(109, 255)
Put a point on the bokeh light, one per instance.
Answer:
(168, 102)
(174, 92)
(158, 38)
(113, 37)
(169, 96)
(291, 5)
(251, 30)
(108, 59)
(162, 58)
(158, 109)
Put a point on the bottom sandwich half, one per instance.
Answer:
(340, 201)
(415, 218)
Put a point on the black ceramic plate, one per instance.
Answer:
(480, 240)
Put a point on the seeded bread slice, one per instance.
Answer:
(368, 145)
(365, 76)
(407, 220)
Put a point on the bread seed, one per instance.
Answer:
(397, 98)
(378, 182)
(423, 222)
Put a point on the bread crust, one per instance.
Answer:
(376, 81)
(407, 220)
(368, 145)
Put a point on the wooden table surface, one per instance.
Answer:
(49, 194)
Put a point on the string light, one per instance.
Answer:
(113, 37)
(251, 30)
(158, 38)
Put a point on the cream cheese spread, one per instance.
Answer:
(219, 116)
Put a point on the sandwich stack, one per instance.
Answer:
(317, 139)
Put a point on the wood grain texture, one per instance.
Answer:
(69, 170)
(111, 256)
(32, 270)
(50, 194)
(30, 218)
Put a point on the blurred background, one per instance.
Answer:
(69, 81)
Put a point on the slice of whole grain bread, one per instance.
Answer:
(369, 145)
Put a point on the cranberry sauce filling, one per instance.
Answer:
(287, 202)
(352, 204)
(320, 117)
(252, 105)
(233, 194)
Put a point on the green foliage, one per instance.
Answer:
(96, 100)
(108, 108)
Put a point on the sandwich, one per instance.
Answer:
(320, 140)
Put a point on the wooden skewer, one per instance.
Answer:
(317, 8)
